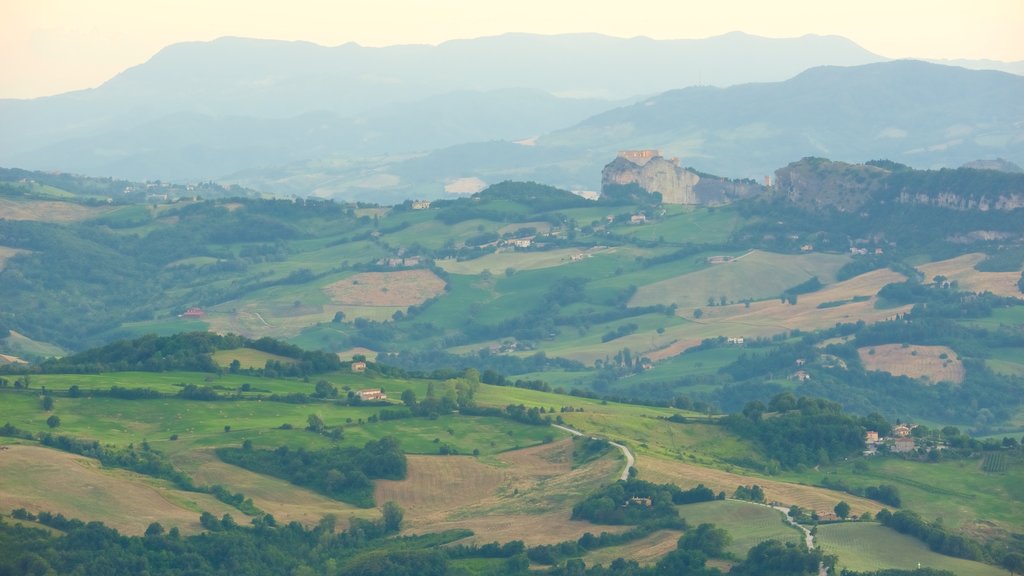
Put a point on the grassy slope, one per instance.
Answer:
(958, 491)
(749, 524)
(870, 546)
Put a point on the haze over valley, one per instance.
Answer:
(569, 300)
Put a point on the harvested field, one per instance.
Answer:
(645, 551)
(401, 288)
(38, 479)
(925, 362)
(528, 495)
(811, 497)
(47, 210)
(961, 269)
(760, 319)
(248, 358)
(285, 501)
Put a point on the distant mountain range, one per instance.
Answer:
(396, 122)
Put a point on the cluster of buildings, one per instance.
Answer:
(901, 441)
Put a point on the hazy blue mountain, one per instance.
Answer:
(206, 109)
(920, 114)
(204, 145)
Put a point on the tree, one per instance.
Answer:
(842, 509)
(409, 397)
(154, 529)
(1014, 562)
(697, 313)
(707, 538)
(314, 423)
(53, 421)
(47, 402)
(325, 389)
(393, 515)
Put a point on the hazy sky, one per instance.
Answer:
(52, 46)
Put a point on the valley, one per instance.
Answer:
(727, 346)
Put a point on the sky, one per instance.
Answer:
(54, 46)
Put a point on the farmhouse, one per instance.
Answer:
(871, 437)
(638, 219)
(420, 204)
(901, 445)
(372, 394)
(194, 312)
(521, 242)
(738, 340)
(800, 376)
(359, 366)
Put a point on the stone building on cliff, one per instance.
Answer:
(651, 172)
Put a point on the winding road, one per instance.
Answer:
(630, 460)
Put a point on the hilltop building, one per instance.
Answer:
(652, 172)
(372, 394)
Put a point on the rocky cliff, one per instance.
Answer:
(654, 174)
(817, 184)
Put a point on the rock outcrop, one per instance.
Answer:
(652, 173)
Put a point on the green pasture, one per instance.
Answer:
(645, 429)
(453, 306)
(587, 346)
(688, 364)
(749, 524)
(695, 443)
(958, 491)
(755, 275)
(867, 546)
(1008, 361)
(684, 224)
(19, 345)
(1012, 316)
(637, 276)
(322, 336)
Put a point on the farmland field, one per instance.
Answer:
(645, 551)
(809, 497)
(248, 358)
(285, 501)
(749, 524)
(47, 211)
(403, 288)
(1007, 361)
(983, 504)
(961, 269)
(765, 318)
(755, 275)
(933, 363)
(869, 546)
(525, 495)
(37, 479)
